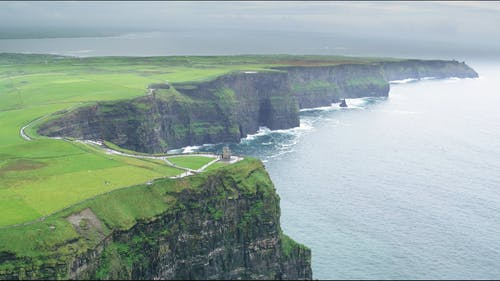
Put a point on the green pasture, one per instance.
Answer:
(119, 209)
(43, 176)
(191, 162)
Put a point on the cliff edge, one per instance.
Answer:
(222, 224)
(234, 105)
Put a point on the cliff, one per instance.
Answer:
(232, 106)
(417, 69)
(222, 224)
(323, 85)
(223, 110)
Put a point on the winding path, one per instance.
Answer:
(107, 150)
(23, 134)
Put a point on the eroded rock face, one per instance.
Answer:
(239, 239)
(249, 100)
(219, 225)
(323, 85)
(417, 69)
(235, 105)
(223, 110)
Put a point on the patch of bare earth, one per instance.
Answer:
(87, 224)
(21, 165)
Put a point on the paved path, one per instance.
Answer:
(28, 138)
(107, 150)
(23, 134)
(188, 172)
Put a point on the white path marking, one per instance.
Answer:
(108, 150)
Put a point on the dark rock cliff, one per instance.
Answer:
(220, 225)
(235, 105)
(323, 85)
(223, 110)
(417, 69)
(250, 99)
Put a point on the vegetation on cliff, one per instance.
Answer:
(45, 183)
(219, 224)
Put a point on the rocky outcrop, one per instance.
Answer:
(417, 69)
(220, 225)
(234, 105)
(249, 99)
(323, 85)
(223, 110)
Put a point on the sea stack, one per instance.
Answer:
(343, 103)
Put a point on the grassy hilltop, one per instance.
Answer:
(42, 176)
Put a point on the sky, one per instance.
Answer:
(458, 27)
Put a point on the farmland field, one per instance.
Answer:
(41, 176)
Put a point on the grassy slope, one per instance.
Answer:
(192, 162)
(118, 210)
(44, 175)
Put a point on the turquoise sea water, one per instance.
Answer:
(401, 187)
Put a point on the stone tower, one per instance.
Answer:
(226, 153)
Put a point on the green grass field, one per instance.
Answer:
(43, 176)
(191, 162)
(119, 209)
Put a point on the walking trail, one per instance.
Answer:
(107, 150)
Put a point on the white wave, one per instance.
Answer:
(428, 78)
(321, 108)
(305, 125)
(188, 149)
(403, 81)
(281, 152)
(290, 144)
(261, 132)
(284, 146)
(358, 103)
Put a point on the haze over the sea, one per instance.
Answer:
(404, 187)
(444, 30)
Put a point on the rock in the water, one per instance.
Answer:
(234, 105)
(343, 103)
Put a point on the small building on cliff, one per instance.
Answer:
(226, 153)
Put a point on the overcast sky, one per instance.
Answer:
(466, 26)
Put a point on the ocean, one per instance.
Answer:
(404, 187)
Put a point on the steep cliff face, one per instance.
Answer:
(324, 85)
(220, 225)
(417, 69)
(251, 99)
(235, 105)
(223, 110)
